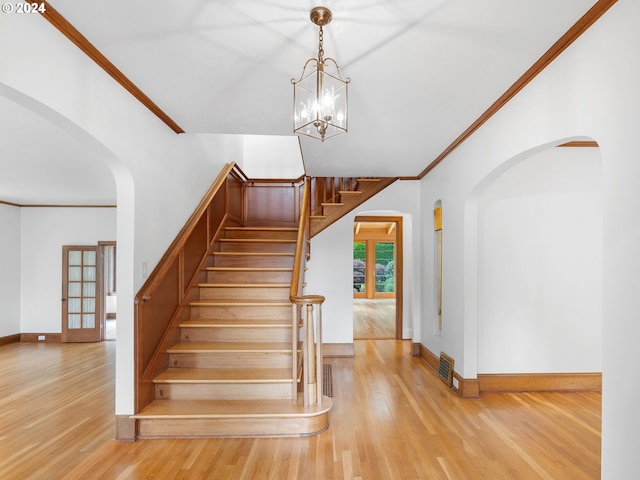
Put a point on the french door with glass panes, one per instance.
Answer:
(81, 293)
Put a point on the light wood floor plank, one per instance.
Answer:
(392, 419)
(374, 319)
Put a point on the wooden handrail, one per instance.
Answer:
(301, 242)
(308, 299)
(297, 279)
(303, 313)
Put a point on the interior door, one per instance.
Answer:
(81, 294)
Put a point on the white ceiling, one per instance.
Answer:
(421, 72)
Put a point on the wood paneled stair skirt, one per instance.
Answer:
(230, 374)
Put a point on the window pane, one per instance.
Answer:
(89, 257)
(89, 274)
(75, 289)
(74, 305)
(88, 320)
(75, 273)
(359, 266)
(75, 257)
(88, 305)
(73, 321)
(385, 276)
(89, 289)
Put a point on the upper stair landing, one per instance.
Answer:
(334, 197)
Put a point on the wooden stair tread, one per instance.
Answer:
(315, 217)
(230, 408)
(224, 375)
(350, 192)
(368, 180)
(230, 347)
(233, 323)
(332, 204)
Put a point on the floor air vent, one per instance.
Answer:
(445, 369)
(327, 381)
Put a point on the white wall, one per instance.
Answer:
(44, 231)
(9, 270)
(540, 265)
(591, 91)
(160, 176)
(331, 265)
(271, 156)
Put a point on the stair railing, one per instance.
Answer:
(307, 315)
(327, 190)
(163, 301)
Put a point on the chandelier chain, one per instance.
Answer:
(320, 46)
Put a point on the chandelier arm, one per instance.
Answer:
(329, 59)
(294, 81)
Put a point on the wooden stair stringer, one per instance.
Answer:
(348, 202)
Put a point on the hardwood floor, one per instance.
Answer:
(392, 419)
(374, 319)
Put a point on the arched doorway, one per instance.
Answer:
(377, 280)
(537, 256)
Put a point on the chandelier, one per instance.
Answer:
(320, 95)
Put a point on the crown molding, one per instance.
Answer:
(69, 31)
(581, 26)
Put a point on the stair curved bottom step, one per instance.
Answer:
(238, 418)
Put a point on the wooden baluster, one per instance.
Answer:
(295, 335)
(309, 349)
(319, 361)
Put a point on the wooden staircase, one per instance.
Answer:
(334, 197)
(230, 374)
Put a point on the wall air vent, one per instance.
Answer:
(445, 369)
